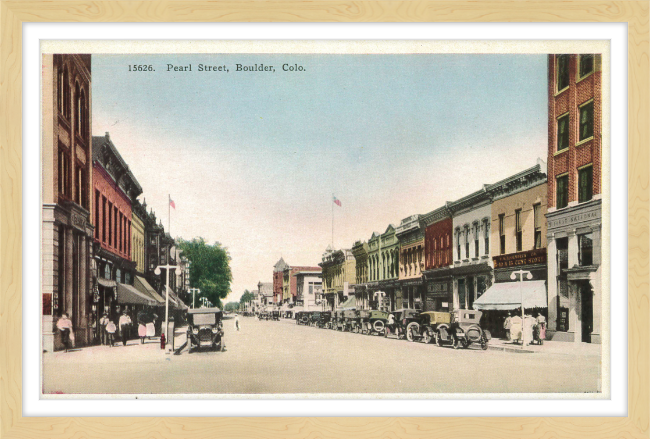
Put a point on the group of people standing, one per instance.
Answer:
(533, 328)
(110, 332)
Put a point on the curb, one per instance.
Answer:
(509, 349)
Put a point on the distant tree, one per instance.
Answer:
(232, 306)
(209, 268)
(246, 297)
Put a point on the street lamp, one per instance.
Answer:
(193, 291)
(529, 276)
(167, 290)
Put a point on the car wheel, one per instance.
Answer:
(439, 341)
(412, 330)
(456, 343)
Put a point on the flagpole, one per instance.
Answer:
(332, 222)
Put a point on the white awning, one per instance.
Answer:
(507, 295)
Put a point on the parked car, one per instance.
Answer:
(406, 324)
(324, 319)
(463, 330)
(314, 318)
(275, 315)
(373, 322)
(351, 320)
(429, 322)
(205, 329)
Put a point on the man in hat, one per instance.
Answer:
(125, 327)
(103, 336)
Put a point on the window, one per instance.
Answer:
(537, 213)
(110, 224)
(64, 175)
(104, 219)
(458, 244)
(476, 233)
(466, 242)
(97, 201)
(562, 71)
(585, 184)
(63, 92)
(562, 192)
(586, 244)
(586, 121)
(80, 190)
(518, 234)
(487, 237)
(563, 133)
(502, 234)
(586, 65)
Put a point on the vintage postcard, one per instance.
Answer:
(362, 220)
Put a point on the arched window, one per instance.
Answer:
(83, 114)
(63, 92)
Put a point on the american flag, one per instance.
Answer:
(171, 203)
(337, 201)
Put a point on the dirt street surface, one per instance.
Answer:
(282, 357)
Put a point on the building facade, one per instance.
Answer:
(278, 281)
(438, 260)
(472, 270)
(410, 234)
(67, 197)
(574, 197)
(114, 188)
(290, 282)
(383, 270)
(338, 271)
(360, 253)
(309, 288)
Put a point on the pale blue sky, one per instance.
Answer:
(252, 159)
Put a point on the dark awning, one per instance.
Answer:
(128, 295)
(106, 282)
(143, 286)
(508, 295)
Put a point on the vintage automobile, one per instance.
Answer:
(340, 321)
(314, 318)
(406, 324)
(463, 330)
(275, 315)
(324, 319)
(429, 322)
(373, 322)
(350, 320)
(205, 329)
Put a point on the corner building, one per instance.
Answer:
(574, 197)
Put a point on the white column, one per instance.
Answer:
(573, 250)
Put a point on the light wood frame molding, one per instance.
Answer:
(14, 13)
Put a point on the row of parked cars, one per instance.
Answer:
(459, 328)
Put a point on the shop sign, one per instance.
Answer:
(593, 215)
(537, 256)
(78, 221)
(439, 287)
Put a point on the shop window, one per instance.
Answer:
(466, 242)
(563, 133)
(586, 243)
(562, 192)
(562, 71)
(586, 121)
(586, 64)
(537, 213)
(96, 219)
(487, 237)
(518, 232)
(502, 235)
(562, 246)
(585, 184)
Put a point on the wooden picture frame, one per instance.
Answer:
(15, 13)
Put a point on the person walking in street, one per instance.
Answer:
(103, 335)
(237, 322)
(507, 324)
(64, 324)
(125, 327)
(110, 332)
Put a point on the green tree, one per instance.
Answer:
(246, 297)
(232, 306)
(209, 268)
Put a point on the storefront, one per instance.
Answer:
(470, 282)
(412, 293)
(574, 273)
(439, 290)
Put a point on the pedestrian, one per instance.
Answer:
(110, 332)
(507, 324)
(162, 341)
(125, 327)
(64, 324)
(103, 336)
(237, 322)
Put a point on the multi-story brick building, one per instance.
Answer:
(67, 197)
(438, 260)
(338, 269)
(278, 281)
(383, 270)
(360, 252)
(115, 188)
(574, 197)
(290, 282)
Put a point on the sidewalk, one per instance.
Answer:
(549, 347)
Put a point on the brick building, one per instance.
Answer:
(278, 281)
(67, 218)
(438, 260)
(410, 234)
(574, 197)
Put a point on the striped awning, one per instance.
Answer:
(128, 295)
